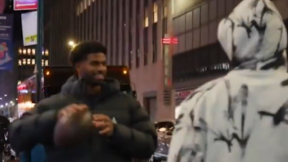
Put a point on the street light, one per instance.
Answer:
(5, 95)
(71, 43)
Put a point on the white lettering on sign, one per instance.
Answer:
(181, 95)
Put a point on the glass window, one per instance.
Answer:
(43, 52)
(24, 51)
(28, 61)
(81, 7)
(20, 51)
(33, 61)
(85, 4)
(146, 20)
(165, 8)
(43, 63)
(77, 10)
(46, 63)
(24, 61)
(19, 62)
(33, 51)
(155, 12)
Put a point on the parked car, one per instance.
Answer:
(164, 130)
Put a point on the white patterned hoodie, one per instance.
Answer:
(242, 117)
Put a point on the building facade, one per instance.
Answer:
(198, 57)
(132, 30)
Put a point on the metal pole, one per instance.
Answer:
(40, 35)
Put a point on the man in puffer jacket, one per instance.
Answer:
(241, 117)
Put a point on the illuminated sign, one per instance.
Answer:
(169, 40)
(181, 95)
(25, 5)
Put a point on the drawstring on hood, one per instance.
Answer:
(254, 36)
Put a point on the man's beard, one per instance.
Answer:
(92, 80)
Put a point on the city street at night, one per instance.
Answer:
(143, 80)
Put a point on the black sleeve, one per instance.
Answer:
(139, 140)
(25, 133)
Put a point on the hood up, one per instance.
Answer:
(76, 87)
(254, 36)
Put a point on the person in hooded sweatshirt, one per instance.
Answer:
(243, 116)
(122, 129)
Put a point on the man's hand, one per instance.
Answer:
(72, 109)
(104, 124)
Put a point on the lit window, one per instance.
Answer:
(43, 52)
(24, 61)
(28, 61)
(29, 51)
(155, 12)
(33, 51)
(33, 61)
(89, 2)
(19, 62)
(46, 63)
(42, 62)
(46, 52)
(146, 20)
(24, 51)
(20, 51)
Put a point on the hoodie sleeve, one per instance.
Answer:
(188, 141)
(140, 140)
(25, 133)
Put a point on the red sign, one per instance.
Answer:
(181, 95)
(25, 5)
(170, 41)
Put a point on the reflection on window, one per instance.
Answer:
(28, 61)
(146, 20)
(155, 12)
(24, 61)
(19, 62)
(33, 61)
(46, 63)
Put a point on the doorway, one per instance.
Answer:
(150, 104)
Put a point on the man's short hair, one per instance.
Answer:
(82, 50)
